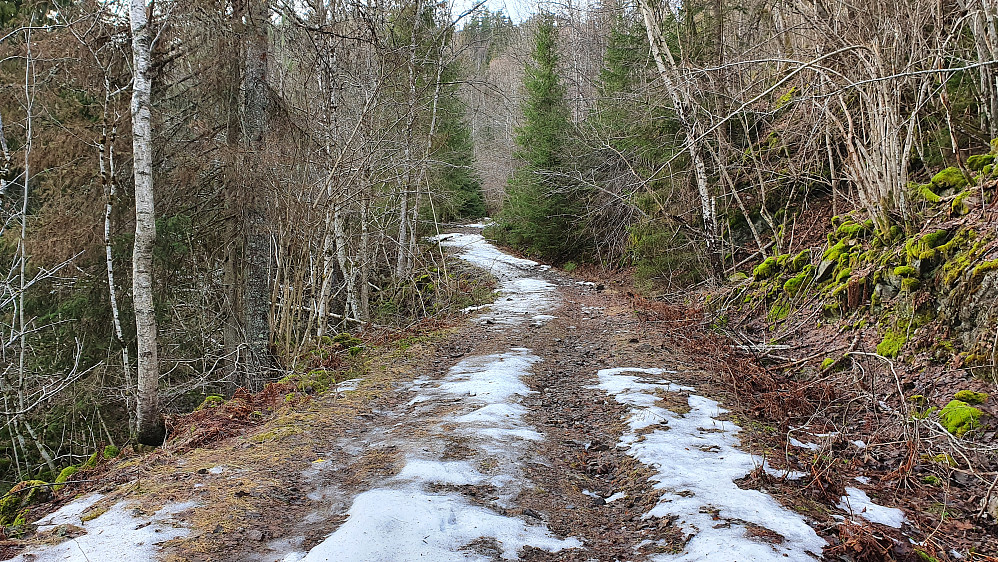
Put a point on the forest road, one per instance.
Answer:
(553, 425)
(557, 426)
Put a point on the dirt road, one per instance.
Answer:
(552, 426)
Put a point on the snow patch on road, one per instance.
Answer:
(521, 297)
(117, 534)
(410, 517)
(412, 524)
(697, 461)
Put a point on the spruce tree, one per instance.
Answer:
(455, 177)
(541, 212)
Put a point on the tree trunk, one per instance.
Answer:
(249, 260)
(149, 423)
(692, 128)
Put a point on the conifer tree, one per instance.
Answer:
(541, 211)
(456, 179)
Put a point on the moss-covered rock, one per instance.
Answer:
(21, 496)
(958, 417)
(949, 178)
(971, 397)
(843, 275)
(905, 271)
(959, 205)
(977, 162)
(802, 280)
(766, 269)
(211, 401)
(925, 247)
(347, 340)
(800, 261)
(111, 452)
(837, 251)
(923, 192)
(910, 284)
(64, 476)
(849, 229)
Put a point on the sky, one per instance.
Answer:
(517, 10)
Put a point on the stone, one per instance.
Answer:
(825, 270)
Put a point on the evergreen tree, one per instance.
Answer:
(541, 212)
(456, 179)
(636, 129)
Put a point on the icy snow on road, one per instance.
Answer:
(521, 297)
(696, 462)
(415, 516)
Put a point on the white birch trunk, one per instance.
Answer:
(110, 194)
(693, 129)
(149, 423)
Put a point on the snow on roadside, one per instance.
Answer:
(860, 505)
(697, 461)
(117, 534)
(521, 298)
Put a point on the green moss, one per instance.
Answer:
(779, 311)
(923, 192)
(211, 401)
(905, 271)
(892, 343)
(19, 497)
(931, 480)
(737, 276)
(317, 381)
(800, 261)
(111, 452)
(935, 239)
(826, 363)
(971, 397)
(21, 519)
(766, 269)
(983, 268)
(910, 284)
(64, 476)
(925, 557)
(836, 251)
(942, 458)
(977, 162)
(840, 289)
(959, 204)
(955, 267)
(986, 170)
(800, 281)
(849, 229)
(347, 340)
(843, 275)
(950, 178)
(958, 417)
(92, 461)
(9, 505)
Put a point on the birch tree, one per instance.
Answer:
(149, 422)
